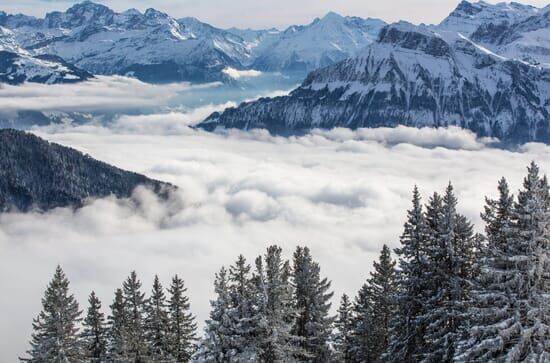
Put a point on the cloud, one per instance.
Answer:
(450, 137)
(343, 193)
(236, 74)
(113, 93)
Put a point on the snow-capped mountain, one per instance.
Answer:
(304, 48)
(411, 76)
(18, 66)
(511, 30)
(527, 40)
(469, 16)
(155, 47)
(151, 46)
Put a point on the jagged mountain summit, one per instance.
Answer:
(411, 76)
(36, 174)
(469, 16)
(511, 30)
(18, 66)
(155, 47)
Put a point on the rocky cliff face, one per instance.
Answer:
(411, 76)
(40, 175)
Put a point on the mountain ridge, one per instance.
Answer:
(38, 175)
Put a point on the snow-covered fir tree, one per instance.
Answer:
(181, 327)
(449, 253)
(55, 337)
(406, 330)
(382, 288)
(217, 343)
(157, 324)
(361, 323)
(313, 325)
(276, 308)
(134, 304)
(343, 338)
(117, 337)
(94, 332)
(244, 314)
(510, 317)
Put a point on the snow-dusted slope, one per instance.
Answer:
(511, 30)
(416, 77)
(527, 40)
(36, 174)
(155, 47)
(18, 66)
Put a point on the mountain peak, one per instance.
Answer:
(468, 16)
(408, 36)
(331, 15)
(88, 5)
(154, 13)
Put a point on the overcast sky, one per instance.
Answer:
(267, 13)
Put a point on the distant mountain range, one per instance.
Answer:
(36, 174)
(484, 68)
(18, 65)
(154, 47)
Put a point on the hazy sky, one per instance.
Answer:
(267, 13)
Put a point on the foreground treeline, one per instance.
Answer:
(138, 329)
(448, 295)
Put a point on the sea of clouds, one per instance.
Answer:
(342, 193)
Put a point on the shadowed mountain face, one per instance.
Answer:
(37, 174)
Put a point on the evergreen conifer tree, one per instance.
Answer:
(182, 327)
(406, 330)
(217, 344)
(362, 326)
(313, 325)
(134, 303)
(117, 338)
(510, 318)
(276, 308)
(244, 314)
(157, 323)
(55, 335)
(343, 339)
(94, 332)
(382, 288)
(450, 253)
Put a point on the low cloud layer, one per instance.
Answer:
(108, 93)
(236, 74)
(343, 193)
